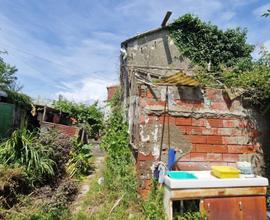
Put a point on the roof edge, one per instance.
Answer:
(143, 34)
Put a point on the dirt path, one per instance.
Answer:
(99, 156)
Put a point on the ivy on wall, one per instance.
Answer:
(205, 44)
(229, 56)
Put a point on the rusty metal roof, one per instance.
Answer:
(178, 79)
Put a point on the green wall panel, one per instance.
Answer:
(6, 119)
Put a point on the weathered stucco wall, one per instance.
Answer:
(156, 50)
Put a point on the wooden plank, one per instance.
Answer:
(216, 192)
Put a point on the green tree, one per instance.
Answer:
(7, 75)
(207, 45)
(8, 83)
(267, 13)
(90, 116)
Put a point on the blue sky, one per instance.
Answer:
(71, 47)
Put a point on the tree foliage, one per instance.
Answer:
(7, 75)
(8, 83)
(267, 13)
(204, 43)
(86, 114)
(254, 82)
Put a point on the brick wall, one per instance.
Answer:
(111, 91)
(65, 129)
(209, 127)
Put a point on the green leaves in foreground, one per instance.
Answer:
(22, 148)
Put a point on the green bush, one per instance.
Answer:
(80, 162)
(90, 116)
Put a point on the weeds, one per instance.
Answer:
(80, 161)
(22, 148)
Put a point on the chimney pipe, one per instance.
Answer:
(166, 18)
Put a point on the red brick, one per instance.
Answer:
(210, 131)
(183, 121)
(219, 106)
(214, 157)
(182, 129)
(225, 131)
(185, 165)
(230, 140)
(218, 163)
(193, 130)
(237, 132)
(220, 149)
(211, 148)
(167, 117)
(201, 122)
(241, 149)
(143, 157)
(214, 94)
(215, 122)
(193, 149)
(203, 148)
(155, 102)
(230, 157)
(198, 139)
(186, 157)
(214, 140)
(197, 156)
(231, 123)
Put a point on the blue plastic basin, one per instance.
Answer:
(181, 175)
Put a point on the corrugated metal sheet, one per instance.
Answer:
(178, 79)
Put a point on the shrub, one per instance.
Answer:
(23, 148)
(80, 159)
(90, 116)
(61, 146)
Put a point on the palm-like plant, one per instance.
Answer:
(23, 148)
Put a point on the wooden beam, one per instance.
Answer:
(216, 192)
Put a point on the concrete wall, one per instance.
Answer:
(156, 50)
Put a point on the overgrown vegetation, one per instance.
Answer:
(229, 56)
(80, 161)
(117, 197)
(205, 44)
(37, 162)
(89, 116)
(23, 149)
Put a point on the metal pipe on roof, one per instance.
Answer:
(166, 18)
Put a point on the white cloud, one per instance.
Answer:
(86, 90)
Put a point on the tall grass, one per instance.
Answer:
(23, 148)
